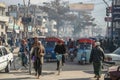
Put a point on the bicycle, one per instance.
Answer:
(18, 62)
(59, 58)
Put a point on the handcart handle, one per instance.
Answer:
(118, 69)
(109, 62)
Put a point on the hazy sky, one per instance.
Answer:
(98, 12)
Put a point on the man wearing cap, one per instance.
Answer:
(37, 55)
(97, 56)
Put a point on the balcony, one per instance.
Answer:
(4, 18)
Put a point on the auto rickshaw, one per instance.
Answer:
(31, 40)
(50, 43)
(84, 50)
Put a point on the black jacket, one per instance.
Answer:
(60, 49)
(97, 54)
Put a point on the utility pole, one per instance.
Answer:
(26, 20)
(112, 23)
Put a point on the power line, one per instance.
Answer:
(106, 3)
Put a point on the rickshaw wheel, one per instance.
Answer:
(47, 60)
(118, 79)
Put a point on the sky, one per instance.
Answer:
(98, 13)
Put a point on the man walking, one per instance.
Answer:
(37, 55)
(97, 56)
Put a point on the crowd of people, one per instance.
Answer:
(37, 52)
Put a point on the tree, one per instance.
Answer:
(82, 21)
(59, 11)
(56, 10)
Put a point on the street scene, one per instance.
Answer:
(70, 71)
(59, 39)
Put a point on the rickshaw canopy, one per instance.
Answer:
(86, 40)
(54, 39)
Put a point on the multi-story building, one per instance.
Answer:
(115, 27)
(32, 11)
(3, 20)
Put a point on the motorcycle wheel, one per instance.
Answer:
(82, 62)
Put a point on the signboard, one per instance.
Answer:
(4, 18)
(108, 19)
(81, 7)
(116, 13)
(14, 14)
(109, 9)
(29, 28)
(2, 5)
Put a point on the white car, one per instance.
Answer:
(114, 56)
(6, 58)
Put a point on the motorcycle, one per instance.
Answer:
(83, 58)
(71, 55)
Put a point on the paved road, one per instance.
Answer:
(71, 71)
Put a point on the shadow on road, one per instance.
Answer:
(48, 73)
(91, 72)
(76, 79)
(20, 78)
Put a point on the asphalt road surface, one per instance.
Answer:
(70, 71)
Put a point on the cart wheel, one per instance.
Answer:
(107, 76)
(118, 79)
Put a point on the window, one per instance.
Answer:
(0, 53)
(4, 51)
(117, 51)
(2, 26)
(1, 33)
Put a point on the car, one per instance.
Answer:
(6, 59)
(114, 56)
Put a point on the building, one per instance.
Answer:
(3, 20)
(115, 27)
(38, 19)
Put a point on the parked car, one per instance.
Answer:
(6, 58)
(114, 56)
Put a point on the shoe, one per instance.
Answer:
(99, 76)
(56, 68)
(35, 74)
(95, 76)
(97, 79)
(37, 77)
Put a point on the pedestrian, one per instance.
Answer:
(60, 49)
(37, 57)
(97, 56)
(23, 53)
